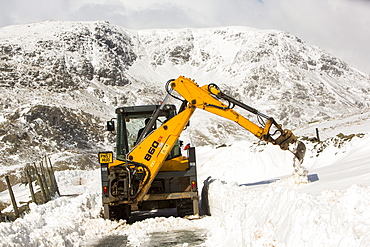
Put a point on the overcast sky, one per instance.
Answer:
(341, 27)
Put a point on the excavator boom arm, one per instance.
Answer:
(152, 151)
(208, 98)
(200, 97)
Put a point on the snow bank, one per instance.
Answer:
(279, 215)
(56, 223)
(333, 211)
(75, 218)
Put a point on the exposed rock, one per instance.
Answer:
(60, 81)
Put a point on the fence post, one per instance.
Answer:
(53, 178)
(43, 177)
(29, 180)
(15, 207)
(39, 180)
(52, 185)
(317, 135)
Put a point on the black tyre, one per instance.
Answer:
(119, 212)
(184, 207)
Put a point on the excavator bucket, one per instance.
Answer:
(298, 149)
(288, 141)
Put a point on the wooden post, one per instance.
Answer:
(41, 184)
(15, 207)
(53, 178)
(52, 185)
(317, 135)
(43, 177)
(29, 180)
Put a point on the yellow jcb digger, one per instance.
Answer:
(149, 171)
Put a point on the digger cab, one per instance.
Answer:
(131, 121)
(175, 183)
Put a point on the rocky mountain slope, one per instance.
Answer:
(60, 81)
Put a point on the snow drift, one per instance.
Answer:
(333, 211)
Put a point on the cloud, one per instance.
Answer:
(6, 15)
(338, 26)
(23, 11)
(160, 15)
(115, 13)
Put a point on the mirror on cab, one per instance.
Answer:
(110, 125)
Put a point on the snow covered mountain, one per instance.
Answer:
(60, 81)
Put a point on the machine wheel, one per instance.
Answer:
(184, 207)
(119, 212)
